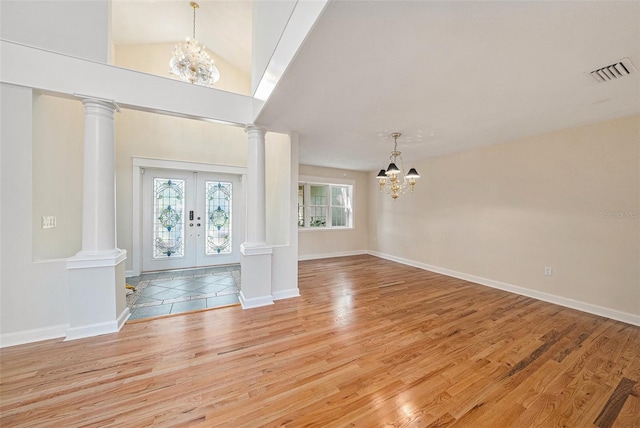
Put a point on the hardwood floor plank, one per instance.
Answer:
(628, 415)
(369, 343)
(616, 401)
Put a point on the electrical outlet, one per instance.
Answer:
(548, 270)
(48, 221)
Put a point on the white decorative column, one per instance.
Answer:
(97, 293)
(256, 254)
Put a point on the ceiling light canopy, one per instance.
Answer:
(394, 179)
(191, 62)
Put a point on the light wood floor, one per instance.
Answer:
(370, 343)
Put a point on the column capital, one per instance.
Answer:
(88, 99)
(255, 129)
(96, 107)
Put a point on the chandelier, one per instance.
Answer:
(191, 62)
(394, 179)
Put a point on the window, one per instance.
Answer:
(325, 205)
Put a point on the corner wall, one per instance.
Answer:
(500, 214)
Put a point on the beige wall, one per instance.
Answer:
(57, 176)
(148, 135)
(338, 242)
(154, 59)
(568, 199)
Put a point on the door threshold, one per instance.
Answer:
(189, 269)
(157, 317)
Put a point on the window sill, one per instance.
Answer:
(324, 229)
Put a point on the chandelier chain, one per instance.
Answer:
(195, 6)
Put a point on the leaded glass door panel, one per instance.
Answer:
(189, 219)
(168, 215)
(221, 240)
(218, 217)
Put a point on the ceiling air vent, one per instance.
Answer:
(614, 71)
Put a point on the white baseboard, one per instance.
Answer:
(330, 255)
(35, 335)
(254, 302)
(124, 316)
(286, 294)
(98, 328)
(91, 330)
(546, 297)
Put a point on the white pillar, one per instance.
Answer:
(98, 185)
(256, 190)
(285, 257)
(256, 254)
(97, 302)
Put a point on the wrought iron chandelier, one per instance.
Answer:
(394, 180)
(191, 62)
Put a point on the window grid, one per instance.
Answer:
(318, 206)
(301, 205)
(325, 206)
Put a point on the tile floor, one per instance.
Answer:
(172, 292)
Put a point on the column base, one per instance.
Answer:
(255, 274)
(97, 294)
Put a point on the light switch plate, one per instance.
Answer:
(48, 221)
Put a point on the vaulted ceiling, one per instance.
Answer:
(452, 76)
(223, 26)
(449, 75)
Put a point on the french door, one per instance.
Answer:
(190, 219)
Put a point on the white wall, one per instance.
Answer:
(314, 243)
(34, 301)
(569, 200)
(76, 28)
